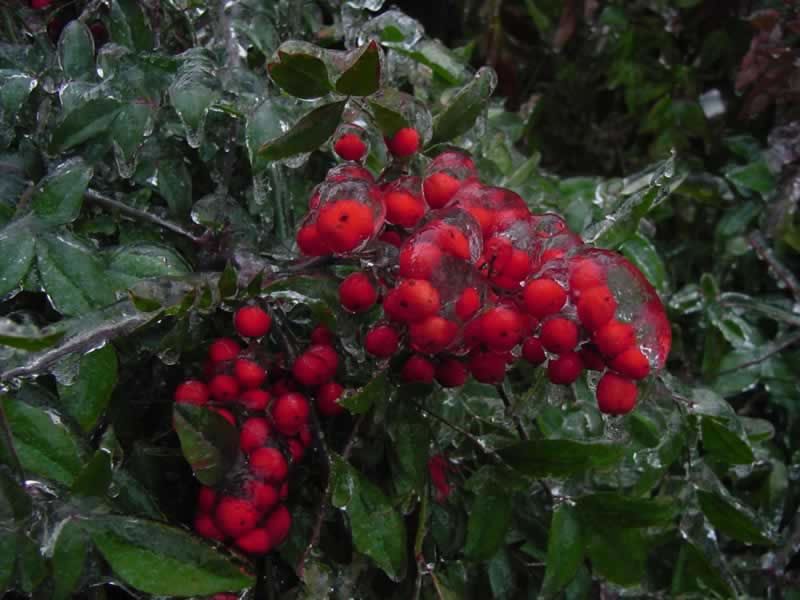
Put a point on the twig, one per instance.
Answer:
(776, 349)
(765, 253)
(510, 408)
(141, 215)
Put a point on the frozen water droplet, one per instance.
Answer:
(394, 29)
(193, 92)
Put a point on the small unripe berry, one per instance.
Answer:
(631, 363)
(269, 464)
(254, 434)
(616, 395)
(255, 542)
(381, 341)
(564, 369)
(614, 337)
(278, 524)
(439, 189)
(255, 400)
(249, 373)
(191, 392)
(451, 372)
(404, 142)
(543, 297)
(290, 412)
(596, 307)
(559, 335)
(223, 349)
(418, 369)
(224, 388)
(350, 147)
(327, 396)
(252, 321)
(533, 351)
(357, 293)
(235, 516)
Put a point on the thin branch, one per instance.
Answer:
(141, 215)
(776, 349)
(765, 253)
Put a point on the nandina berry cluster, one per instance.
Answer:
(264, 402)
(478, 281)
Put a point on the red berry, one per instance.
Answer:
(269, 464)
(254, 434)
(249, 373)
(433, 334)
(487, 367)
(596, 307)
(559, 335)
(468, 303)
(381, 341)
(225, 414)
(255, 400)
(543, 297)
(564, 369)
(252, 321)
(615, 395)
(255, 542)
(223, 349)
(204, 525)
(591, 358)
(305, 436)
(404, 142)
(278, 524)
(357, 293)
(310, 242)
(496, 254)
(224, 388)
(419, 260)
(191, 392)
(403, 209)
(322, 335)
(502, 328)
(327, 396)
(40, 4)
(350, 147)
(439, 189)
(206, 499)
(533, 351)
(345, 224)
(614, 337)
(453, 241)
(235, 516)
(263, 495)
(631, 363)
(283, 493)
(314, 368)
(585, 273)
(412, 300)
(392, 237)
(451, 372)
(290, 412)
(296, 449)
(418, 369)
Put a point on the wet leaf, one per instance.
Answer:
(59, 197)
(606, 548)
(87, 398)
(158, 559)
(377, 529)
(364, 398)
(644, 255)
(460, 113)
(27, 336)
(489, 520)
(17, 243)
(209, 442)
(91, 118)
(560, 458)
(308, 134)
(131, 263)
(128, 25)
(618, 510)
(69, 558)
(432, 53)
(730, 520)
(723, 444)
(301, 75)
(694, 567)
(175, 186)
(94, 479)
(363, 76)
(8, 556)
(31, 565)
(76, 51)
(565, 550)
(387, 119)
(753, 177)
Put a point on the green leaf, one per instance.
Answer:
(308, 134)
(377, 530)
(94, 479)
(644, 255)
(59, 197)
(194, 91)
(162, 560)
(91, 118)
(31, 565)
(460, 113)
(228, 282)
(364, 398)
(175, 186)
(731, 520)
(128, 26)
(86, 399)
(564, 550)
(300, 74)
(14, 92)
(617, 554)
(363, 76)
(26, 336)
(17, 244)
(694, 567)
(264, 124)
(489, 520)
(132, 263)
(724, 444)
(411, 438)
(387, 119)
(441, 60)
(69, 558)
(8, 556)
(72, 275)
(755, 177)
(76, 51)
(618, 510)
(43, 443)
(128, 132)
(209, 442)
(560, 458)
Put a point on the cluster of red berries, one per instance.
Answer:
(478, 280)
(271, 414)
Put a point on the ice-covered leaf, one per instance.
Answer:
(618, 510)
(561, 458)
(362, 76)
(565, 548)
(460, 113)
(84, 122)
(193, 92)
(132, 263)
(723, 444)
(69, 558)
(489, 520)
(95, 477)
(365, 397)
(209, 442)
(302, 75)
(734, 521)
(59, 197)
(76, 51)
(86, 399)
(128, 25)
(17, 247)
(308, 134)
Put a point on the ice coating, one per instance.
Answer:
(444, 176)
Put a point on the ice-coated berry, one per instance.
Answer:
(252, 321)
(255, 400)
(316, 365)
(533, 351)
(224, 388)
(269, 464)
(345, 224)
(468, 303)
(585, 273)
(419, 260)
(502, 328)
(451, 372)
(418, 369)
(357, 293)
(191, 392)
(404, 142)
(559, 335)
(439, 189)
(223, 349)
(403, 209)
(255, 542)
(487, 367)
(596, 307)
(311, 242)
(278, 524)
(235, 516)
(565, 368)
(350, 147)
(328, 395)
(412, 300)
(254, 434)
(616, 395)
(631, 363)
(381, 341)
(432, 334)
(249, 373)
(614, 337)
(543, 297)
(290, 412)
